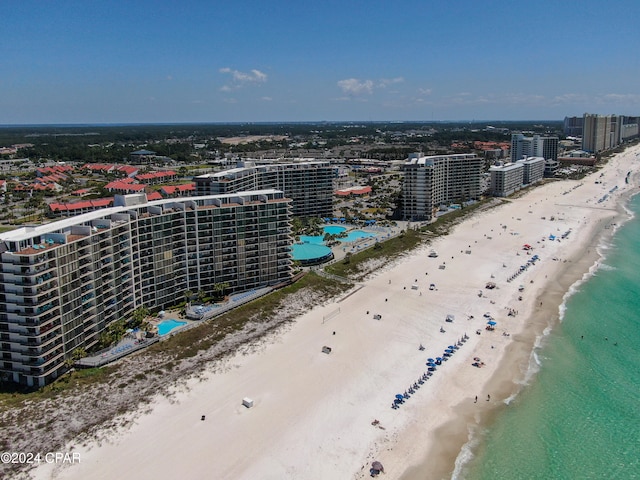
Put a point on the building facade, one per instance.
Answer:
(600, 132)
(535, 146)
(604, 132)
(431, 182)
(506, 179)
(533, 170)
(573, 126)
(511, 177)
(309, 185)
(63, 283)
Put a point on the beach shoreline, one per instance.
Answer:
(459, 437)
(327, 415)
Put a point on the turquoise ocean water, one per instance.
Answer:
(579, 418)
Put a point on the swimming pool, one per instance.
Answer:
(310, 253)
(166, 326)
(333, 229)
(354, 235)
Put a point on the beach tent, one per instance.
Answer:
(377, 467)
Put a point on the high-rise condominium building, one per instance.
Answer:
(573, 126)
(431, 182)
(63, 283)
(600, 132)
(309, 185)
(535, 146)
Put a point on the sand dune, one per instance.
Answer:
(313, 412)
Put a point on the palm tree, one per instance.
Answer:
(220, 288)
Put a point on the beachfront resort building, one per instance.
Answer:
(535, 146)
(63, 283)
(436, 181)
(511, 177)
(506, 179)
(604, 132)
(308, 184)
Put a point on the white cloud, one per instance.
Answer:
(353, 86)
(267, 99)
(425, 91)
(385, 82)
(239, 79)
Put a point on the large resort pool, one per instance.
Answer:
(312, 249)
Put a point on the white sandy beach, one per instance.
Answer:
(313, 412)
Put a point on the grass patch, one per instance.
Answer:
(352, 265)
(66, 384)
(189, 343)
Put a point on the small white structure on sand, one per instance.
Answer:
(247, 402)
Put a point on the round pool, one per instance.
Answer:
(310, 253)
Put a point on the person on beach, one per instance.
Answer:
(476, 400)
(488, 397)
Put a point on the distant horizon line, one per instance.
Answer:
(301, 122)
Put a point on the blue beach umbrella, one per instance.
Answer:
(399, 396)
(491, 322)
(430, 360)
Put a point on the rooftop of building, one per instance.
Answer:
(127, 203)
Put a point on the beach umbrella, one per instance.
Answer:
(491, 322)
(449, 350)
(430, 360)
(431, 364)
(453, 347)
(399, 396)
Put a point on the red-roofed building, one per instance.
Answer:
(39, 186)
(185, 190)
(81, 192)
(99, 167)
(55, 169)
(154, 196)
(128, 170)
(154, 178)
(77, 208)
(366, 190)
(124, 186)
(3, 186)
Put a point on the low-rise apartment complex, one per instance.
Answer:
(63, 283)
(309, 185)
(511, 177)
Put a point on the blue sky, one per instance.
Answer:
(274, 60)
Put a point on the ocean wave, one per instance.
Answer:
(575, 288)
(466, 452)
(605, 267)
